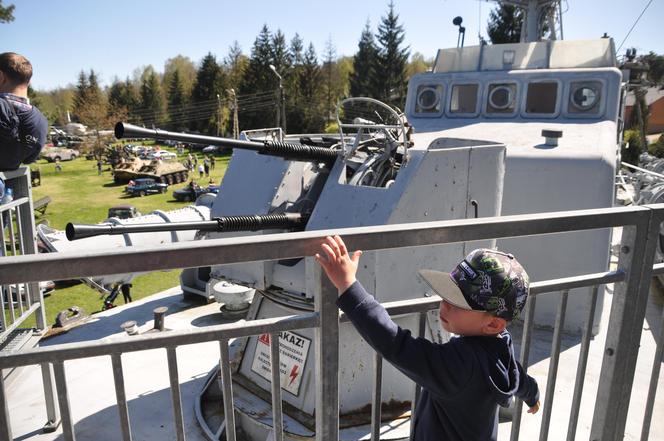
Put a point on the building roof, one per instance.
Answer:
(653, 94)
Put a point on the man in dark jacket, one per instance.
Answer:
(23, 128)
(466, 379)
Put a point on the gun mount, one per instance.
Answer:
(293, 221)
(285, 150)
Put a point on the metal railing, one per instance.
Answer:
(640, 224)
(18, 301)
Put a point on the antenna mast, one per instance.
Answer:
(534, 9)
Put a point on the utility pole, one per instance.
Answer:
(281, 107)
(236, 123)
(218, 115)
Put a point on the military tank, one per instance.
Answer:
(127, 170)
(166, 172)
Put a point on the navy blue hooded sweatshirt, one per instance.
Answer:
(463, 381)
(22, 132)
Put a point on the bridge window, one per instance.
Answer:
(585, 96)
(501, 98)
(464, 98)
(542, 97)
(429, 99)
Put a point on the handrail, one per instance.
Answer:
(63, 266)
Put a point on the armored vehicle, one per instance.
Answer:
(166, 172)
(127, 170)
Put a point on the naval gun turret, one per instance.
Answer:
(375, 172)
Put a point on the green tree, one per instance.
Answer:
(364, 64)
(391, 60)
(329, 69)
(639, 118)
(90, 102)
(505, 24)
(418, 64)
(177, 101)
(6, 13)
(123, 97)
(81, 92)
(294, 97)
(235, 64)
(152, 100)
(655, 67)
(258, 106)
(204, 108)
(186, 70)
(310, 82)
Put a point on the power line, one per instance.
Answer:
(634, 25)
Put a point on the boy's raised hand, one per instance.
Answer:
(338, 265)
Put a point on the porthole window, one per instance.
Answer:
(541, 97)
(464, 98)
(501, 98)
(429, 99)
(585, 97)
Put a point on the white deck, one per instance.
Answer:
(92, 394)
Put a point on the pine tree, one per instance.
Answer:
(364, 63)
(81, 95)
(294, 102)
(310, 81)
(6, 13)
(390, 85)
(90, 103)
(505, 24)
(258, 108)
(235, 64)
(152, 101)
(329, 68)
(204, 101)
(177, 101)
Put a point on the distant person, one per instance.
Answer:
(126, 292)
(212, 161)
(99, 167)
(58, 166)
(201, 170)
(206, 166)
(23, 128)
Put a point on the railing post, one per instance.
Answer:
(22, 188)
(52, 411)
(627, 312)
(327, 353)
(5, 425)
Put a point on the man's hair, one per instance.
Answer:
(17, 68)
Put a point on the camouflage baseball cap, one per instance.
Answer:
(486, 280)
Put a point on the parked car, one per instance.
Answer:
(60, 154)
(162, 154)
(192, 192)
(143, 186)
(123, 212)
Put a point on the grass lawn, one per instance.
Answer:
(78, 194)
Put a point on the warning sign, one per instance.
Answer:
(293, 350)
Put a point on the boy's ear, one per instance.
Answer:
(495, 325)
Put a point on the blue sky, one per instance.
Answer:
(62, 37)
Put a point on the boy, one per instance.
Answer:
(464, 380)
